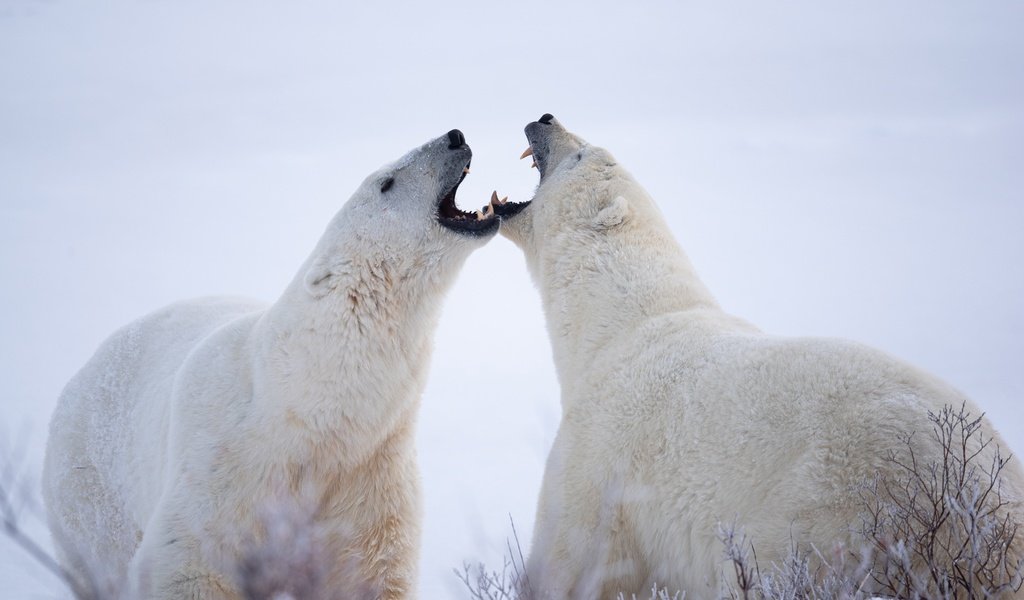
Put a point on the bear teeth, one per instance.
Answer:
(527, 152)
(496, 200)
(488, 209)
(485, 213)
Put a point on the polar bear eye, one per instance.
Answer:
(386, 184)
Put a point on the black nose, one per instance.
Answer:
(456, 139)
(545, 118)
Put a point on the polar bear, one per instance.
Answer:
(677, 416)
(170, 446)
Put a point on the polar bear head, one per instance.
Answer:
(582, 191)
(401, 225)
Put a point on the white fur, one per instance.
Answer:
(677, 416)
(170, 446)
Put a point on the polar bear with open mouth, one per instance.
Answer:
(677, 416)
(168, 447)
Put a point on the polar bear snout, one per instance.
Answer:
(538, 135)
(550, 144)
(456, 139)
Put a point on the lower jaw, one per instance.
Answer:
(482, 230)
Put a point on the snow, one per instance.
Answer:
(849, 170)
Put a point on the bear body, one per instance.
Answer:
(677, 417)
(215, 440)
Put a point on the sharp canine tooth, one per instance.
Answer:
(534, 165)
(527, 152)
(496, 200)
(479, 215)
(465, 170)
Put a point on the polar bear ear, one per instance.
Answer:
(613, 214)
(318, 279)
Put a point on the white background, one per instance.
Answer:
(847, 169)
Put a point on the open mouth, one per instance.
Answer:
(505, 209)
(537, 151)
(471, 223)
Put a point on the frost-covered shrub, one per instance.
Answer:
(934, 530)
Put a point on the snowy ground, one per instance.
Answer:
(851, 170)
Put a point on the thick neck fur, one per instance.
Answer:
(321, 356)
(584, 255)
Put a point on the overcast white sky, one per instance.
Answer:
(846, 169)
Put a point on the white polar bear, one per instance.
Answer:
(169, 446)
(677, 416)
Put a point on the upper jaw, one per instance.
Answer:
(550, 143)
(538, 134)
